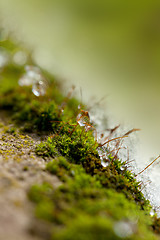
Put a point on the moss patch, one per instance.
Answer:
(82, 207)
(94, 202)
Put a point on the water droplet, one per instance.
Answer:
(83, 120)
(39, 88)
(104, 164)
(104, 160)
(80, 120)
(33, 77)
(20, 58)
(122, 168)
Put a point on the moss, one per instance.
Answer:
(82, 150)
(83, 208)
(92, 199)
(39, 193)
(156, 224)
(25, 168)
(59, 167)
(12, 131)
(45, 210)
(46, 149)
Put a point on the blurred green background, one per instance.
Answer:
(106, 47)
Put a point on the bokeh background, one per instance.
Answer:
(106, 47)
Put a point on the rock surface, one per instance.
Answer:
(20, 168)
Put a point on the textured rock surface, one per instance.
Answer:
(19, 169)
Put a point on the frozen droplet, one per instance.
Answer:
(39, 88)
(4, 58)
(20, 58)
(123, 229)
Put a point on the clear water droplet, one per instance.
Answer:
(39, 88)
(33, 77)
(80, 120)
(104, 160)
(104, 164)
(83, 120)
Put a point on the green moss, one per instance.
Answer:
(39, 193)
(45, 210)
(25, 168)
(82, 150)
(12, 131)
(46, 149)
(83, 208)
(92, 199)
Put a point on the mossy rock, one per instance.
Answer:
(90, 201)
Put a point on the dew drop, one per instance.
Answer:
(83, 120)
(33, 77)
(104, 160)
(104, 164)
(39, 88)
(80, 120)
